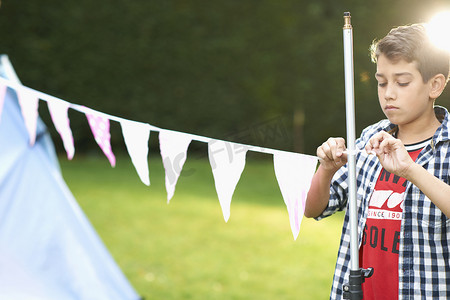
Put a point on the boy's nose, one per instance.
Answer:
(390, 93)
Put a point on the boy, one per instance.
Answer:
(403, 196)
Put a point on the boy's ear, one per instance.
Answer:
(438, 83)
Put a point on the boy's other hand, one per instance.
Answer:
(391, 152)
(331, 154)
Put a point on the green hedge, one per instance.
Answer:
(235, 70)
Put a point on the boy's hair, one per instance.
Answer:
(412, 44)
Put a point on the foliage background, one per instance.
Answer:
(214, 68)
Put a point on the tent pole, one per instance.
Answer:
(350, 121)
(352, 289)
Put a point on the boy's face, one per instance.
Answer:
(404, 97)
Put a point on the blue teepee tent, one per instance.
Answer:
(48, 248)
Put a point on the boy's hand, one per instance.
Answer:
(391, 152)
(331, 154)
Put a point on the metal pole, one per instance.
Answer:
(350, 120)
(353, 288)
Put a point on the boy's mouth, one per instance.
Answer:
(390, 107)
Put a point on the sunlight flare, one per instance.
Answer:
(438, 30)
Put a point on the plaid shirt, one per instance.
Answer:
(424, 251)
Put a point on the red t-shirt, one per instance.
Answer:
(381, 237)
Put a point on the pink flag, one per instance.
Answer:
(2, 97)
(294, 173)
(136, 136)
(173, 146)
(100, 129)
(227, 162)
(29, 103)
(59, 113)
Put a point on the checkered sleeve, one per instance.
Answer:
(366, 170)
(424, 258)
(339, 186)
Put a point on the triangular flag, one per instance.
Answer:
(2, 97)
(29, 103)
(59, 114)
(227, 162)
(294, 173)
(173, 146)
(136, 136)
(100, 129)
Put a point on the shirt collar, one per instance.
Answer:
(441, 134)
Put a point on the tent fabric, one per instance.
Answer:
(48, 248)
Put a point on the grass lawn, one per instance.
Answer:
(185, 250)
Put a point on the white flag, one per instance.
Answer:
(99, 124)
(294, 173)
(173, 146)
(2, 97)
(59, 114)
(227, 162)
(136, 136)
(29, 103)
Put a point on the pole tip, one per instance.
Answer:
(347, 22)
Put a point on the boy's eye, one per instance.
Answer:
(382, 84)
(403, 83)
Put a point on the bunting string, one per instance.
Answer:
(84, 109)
(294, 171)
